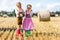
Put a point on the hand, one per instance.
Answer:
(18, 12)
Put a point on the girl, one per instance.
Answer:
(27, 23)
(19, 14)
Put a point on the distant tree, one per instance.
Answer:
(58, 12)
(3, 12)
(13, 13)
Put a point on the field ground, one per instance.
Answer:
(49, 30)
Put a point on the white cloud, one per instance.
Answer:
(16, 0)
(3, 5)
(50, 6)
(7, 5)
(11, 4)
(38, 5)
(4, 2)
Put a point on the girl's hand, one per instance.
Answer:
(30, 14)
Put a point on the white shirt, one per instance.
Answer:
(17, 11)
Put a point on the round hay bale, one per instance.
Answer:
(56, 15)
(5, 16)
(44, 15)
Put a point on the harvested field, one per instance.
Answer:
(49, 30)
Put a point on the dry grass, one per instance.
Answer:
(49, 30)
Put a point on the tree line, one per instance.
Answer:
(13, 14)
(10, 14)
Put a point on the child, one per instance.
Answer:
(27, 23)
(19, 14)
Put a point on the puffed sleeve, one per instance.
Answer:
(16, 12)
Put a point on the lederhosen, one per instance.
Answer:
(19, 19)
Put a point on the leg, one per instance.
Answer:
(18, 30)
(24, 33)
(19, 22)
(21, 31)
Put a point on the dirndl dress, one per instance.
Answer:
(27, 23)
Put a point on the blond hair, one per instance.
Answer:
(18, 4)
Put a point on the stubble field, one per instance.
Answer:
(49, 30)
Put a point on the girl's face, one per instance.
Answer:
(29, 7)
(18, 5)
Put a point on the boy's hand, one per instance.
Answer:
(18, 12)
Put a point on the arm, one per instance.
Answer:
(31, 13)
(17, 13)
(24, 13)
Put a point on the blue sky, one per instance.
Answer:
(52, 5)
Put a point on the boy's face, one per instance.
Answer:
(18, 5)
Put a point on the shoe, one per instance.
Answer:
(18, 32)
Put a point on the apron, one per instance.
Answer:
(27, 23)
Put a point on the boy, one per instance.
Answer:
(19, 15)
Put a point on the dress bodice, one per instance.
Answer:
(28, 14)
